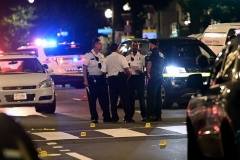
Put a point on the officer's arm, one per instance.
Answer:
(85, 66)
(149, 66)
(85, 74)
(126, 67)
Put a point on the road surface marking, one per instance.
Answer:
(55, 135)
(179, 129)
(64, 150)
(78, 156)
(51, 143)
(77, 99)
(121, 132)
(57, 146)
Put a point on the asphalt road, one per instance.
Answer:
(69, 135)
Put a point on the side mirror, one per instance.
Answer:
(50, 70)
(45, 66)
(202, 61)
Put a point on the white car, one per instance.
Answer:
(24, 81)
(66, 59)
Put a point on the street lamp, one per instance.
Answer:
(108, 13)
(30, 1)
(126, 7)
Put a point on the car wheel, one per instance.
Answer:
(51, 107)
(166, 102)
(39, 109)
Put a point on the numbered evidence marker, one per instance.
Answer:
(92, 125)
(148, 125)
(83, 134)
(163, 143)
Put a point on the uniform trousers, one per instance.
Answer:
(154, 100)
(118, 87)
(98, 89)
(136, 83)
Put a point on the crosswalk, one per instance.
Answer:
(108, 133)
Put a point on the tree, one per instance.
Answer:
(18, 25)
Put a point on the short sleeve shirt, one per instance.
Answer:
(137, 61)
(114, 63)
(92, 60)
(157, 60)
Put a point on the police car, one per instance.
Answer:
(183, 57)
(65, 59)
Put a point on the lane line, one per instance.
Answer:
(52, 143)
(55, 135)
(78, 156)
(179, 129)
(57, 146)
(122, 132)
(76, 99)
(64, 150)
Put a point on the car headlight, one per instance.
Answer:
(46, 83)
(175, 70)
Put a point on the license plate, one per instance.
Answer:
(19, 96)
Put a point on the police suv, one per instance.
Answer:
(64, 58)
(183, 57)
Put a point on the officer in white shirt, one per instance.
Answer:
(136, 82)
(95, 82)
(116, 66)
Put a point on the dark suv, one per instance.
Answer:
(183, 57)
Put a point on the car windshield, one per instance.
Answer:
(21, 65)
(64, 50)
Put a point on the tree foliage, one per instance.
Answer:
(18, 25)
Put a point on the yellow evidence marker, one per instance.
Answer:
(148, 125)
(83, 134)
(92, 125)
(163, 143)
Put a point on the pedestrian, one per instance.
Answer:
(155, 66)
(117, 68)
(136, 82)
(95, 82)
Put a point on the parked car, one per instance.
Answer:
(24, 81)
(213, 121)
(66, 59)
(183, 57)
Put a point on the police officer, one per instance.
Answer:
(95, 82)
(136, 62)
(155, 66)
(117, 68)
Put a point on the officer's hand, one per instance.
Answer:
(149, 76)
(86, 83)
(138, 71)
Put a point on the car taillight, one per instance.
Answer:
(60, 61)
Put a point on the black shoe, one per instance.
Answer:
(94, 121)
(107, 120)
(114, 121)
(144, 120)
(158, 119)
(129, 121)
(150, 119)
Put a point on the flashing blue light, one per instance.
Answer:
(75, 59)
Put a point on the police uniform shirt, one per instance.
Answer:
(90, 60)
(157, 59)
(138, 60)
(114, 63)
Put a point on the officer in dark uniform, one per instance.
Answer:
(95, 82)
(155, 66)
(136, 82)
(117, 68)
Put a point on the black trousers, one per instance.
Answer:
(154, 100)
(136, 83)
(118, 87)
(98, 89)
